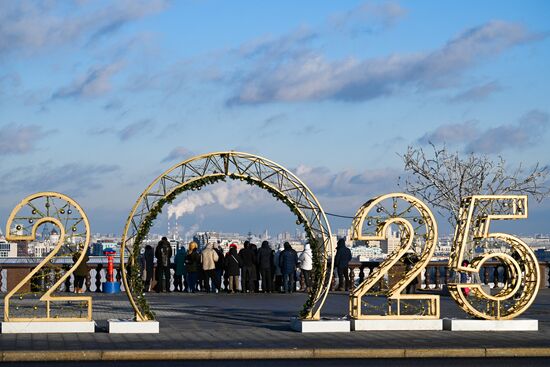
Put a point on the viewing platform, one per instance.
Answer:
(256, 326)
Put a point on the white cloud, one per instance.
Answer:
(96, 82)
(529, 131)
(32, 26)
(302, 74)
(21, 139)
(451, 133)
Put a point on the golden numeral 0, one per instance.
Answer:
(472, 230)
(68, 216)
(418, 228)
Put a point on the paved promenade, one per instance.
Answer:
(257, 326)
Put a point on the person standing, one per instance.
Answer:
(341, 262)
(278, 274)
(288, 261)
(208, 258)
(147, 267)
(179, 273)
(265, 262)
(219, 266)
(193, 263)
(163, 253)
(410, 260)
(248, 272)
(232, 267)
(306, 265)
(256, 267)
(81, 271)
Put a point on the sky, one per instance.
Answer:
(97, 98)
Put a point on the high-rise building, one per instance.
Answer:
(392, 241)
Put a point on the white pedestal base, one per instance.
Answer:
(42, 327)
(490, 325)
(380, 325)
(320, 326)
(120, 326)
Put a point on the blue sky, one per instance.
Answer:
(98, 97)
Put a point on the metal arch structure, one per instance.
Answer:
(379, 214)
(255, 170)
(23, 222)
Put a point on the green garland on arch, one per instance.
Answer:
(135, 281)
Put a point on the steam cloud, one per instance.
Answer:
(231, 196)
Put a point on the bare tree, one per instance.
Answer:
(443, 178)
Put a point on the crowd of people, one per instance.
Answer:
(250, 270)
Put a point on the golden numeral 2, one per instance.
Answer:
(68, 216)
(418, 228)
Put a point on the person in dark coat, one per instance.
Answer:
(81, 271)
(163, 253)
(193, 266)
(179, 272)
(288, 260)
(257, 277)
(265, 264)
(147, 267)
(248, 274)
(232, 267)
(341, 262)
(410, 260)
(219, 265)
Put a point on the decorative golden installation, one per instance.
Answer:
(418, 236)
(74, 235)
(472, 235)
(205, 169)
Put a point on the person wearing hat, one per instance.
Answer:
(278, 275)
(306, 265)
(288, 260)
(341, 262)
(248, 274)
(265, 262)
(193, 262)
(163, 253)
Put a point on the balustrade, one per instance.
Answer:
(435, 277)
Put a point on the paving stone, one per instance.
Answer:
(262, 321)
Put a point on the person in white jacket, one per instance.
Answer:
(306, 265)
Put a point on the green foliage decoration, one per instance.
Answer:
(135, 281)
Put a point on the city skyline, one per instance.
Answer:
(98, 98)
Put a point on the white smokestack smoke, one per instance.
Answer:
(231, 196)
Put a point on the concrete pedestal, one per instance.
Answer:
(121, 326)
(43, 327)
(381, 325)
(320, 326)
(490, 325)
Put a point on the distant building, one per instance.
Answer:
(98, 247)
(7, 249)
(392, 241)
(365, 253)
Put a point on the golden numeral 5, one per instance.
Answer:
(521, 264)
(68, 216)
(380, 213)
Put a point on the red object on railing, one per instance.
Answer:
(110, 264)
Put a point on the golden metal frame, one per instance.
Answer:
(39, 219)
(408, 233)
(476, 213)
(241, 166)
